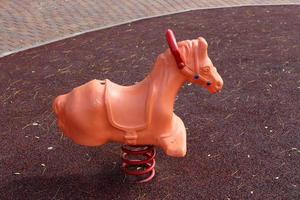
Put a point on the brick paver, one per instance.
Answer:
(28, 23)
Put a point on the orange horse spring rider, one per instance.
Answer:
(101, 111)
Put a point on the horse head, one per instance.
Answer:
(192, 60)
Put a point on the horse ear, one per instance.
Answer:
(202, 46)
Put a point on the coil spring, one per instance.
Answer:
(139, 162)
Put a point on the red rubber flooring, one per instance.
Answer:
(243, 143)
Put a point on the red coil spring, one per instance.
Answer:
(139, 162)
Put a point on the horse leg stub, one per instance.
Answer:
(174, 143)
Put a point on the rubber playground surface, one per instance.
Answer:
(243, 143)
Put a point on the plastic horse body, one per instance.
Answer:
(142, 114)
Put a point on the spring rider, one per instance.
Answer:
(139, 116)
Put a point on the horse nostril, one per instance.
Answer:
(208, 83)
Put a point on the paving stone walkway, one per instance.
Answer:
(28, 23)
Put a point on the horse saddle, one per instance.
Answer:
(128, 107)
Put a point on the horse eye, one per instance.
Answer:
(206, 69)
(196, 77)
